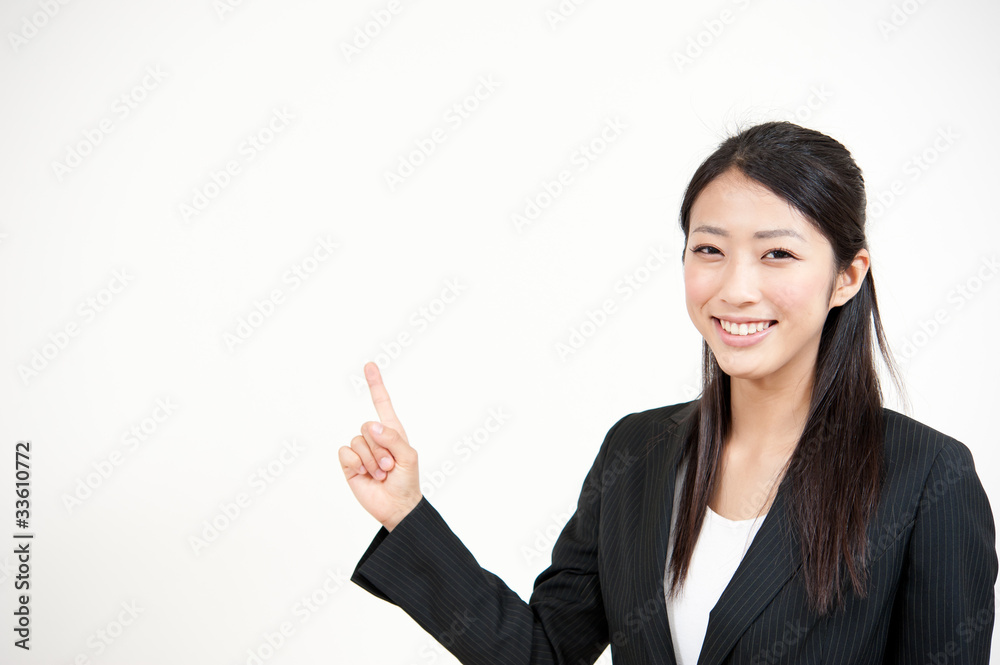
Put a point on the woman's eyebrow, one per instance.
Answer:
(775, 233)
(715, 230)
(771, 233)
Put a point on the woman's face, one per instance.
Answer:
(753, 260)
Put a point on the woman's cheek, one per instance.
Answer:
(795, 300)
(697, 285)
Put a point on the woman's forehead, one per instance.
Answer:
(753, 214)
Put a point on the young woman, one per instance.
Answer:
(785, 516)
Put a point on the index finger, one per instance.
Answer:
(383, 407)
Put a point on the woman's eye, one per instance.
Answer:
(708, 249)
(783, 254)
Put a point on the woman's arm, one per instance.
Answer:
(945, 602)
(425, 569)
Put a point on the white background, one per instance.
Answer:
(888, 80)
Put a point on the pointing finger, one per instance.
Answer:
(380, 397)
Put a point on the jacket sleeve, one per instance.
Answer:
(945, 600)
(422, 567)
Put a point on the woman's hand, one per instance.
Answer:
(380, 465)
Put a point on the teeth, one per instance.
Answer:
(744, 328)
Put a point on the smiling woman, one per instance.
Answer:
(785, 515)
(775, 264)
(741, 284)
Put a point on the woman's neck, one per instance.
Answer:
(768, 419)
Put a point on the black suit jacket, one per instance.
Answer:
(932, 569)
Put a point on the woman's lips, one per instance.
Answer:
(742, 340)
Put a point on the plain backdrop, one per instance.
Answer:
(215, 212)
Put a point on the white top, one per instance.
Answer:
(717, 554)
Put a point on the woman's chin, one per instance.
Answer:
(740, 370)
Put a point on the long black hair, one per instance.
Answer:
(835, 474)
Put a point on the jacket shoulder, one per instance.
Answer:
(915, 446)
(661, 416)
(654, 421)
(917, 458)
(641, 428)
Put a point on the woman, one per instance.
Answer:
(785, 516)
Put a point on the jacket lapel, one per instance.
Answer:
(773, 557)
(663, 454)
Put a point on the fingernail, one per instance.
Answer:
(385, 463)
(377, 428)
(362, 471)
(379, 474)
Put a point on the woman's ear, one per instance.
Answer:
(849, 281)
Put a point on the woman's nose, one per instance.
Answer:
(739, 284)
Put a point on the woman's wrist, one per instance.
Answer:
(394, 521)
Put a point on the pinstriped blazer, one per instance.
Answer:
(931, 587)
